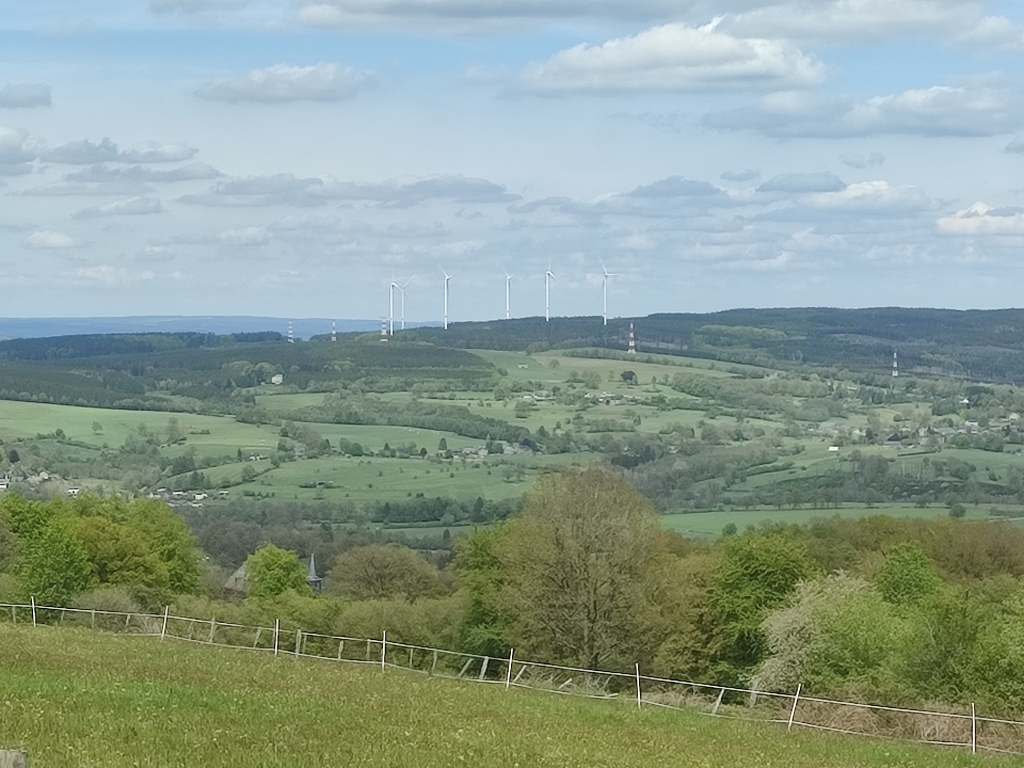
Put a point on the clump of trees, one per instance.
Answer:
(54, 550)
(904, 611)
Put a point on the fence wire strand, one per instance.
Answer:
(947, 729)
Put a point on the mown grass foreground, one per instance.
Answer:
(79, 698)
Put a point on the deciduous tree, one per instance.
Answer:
(581, 569)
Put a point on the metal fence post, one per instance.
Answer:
(383, 649)
(508, 674)
(33, 611)
(277, 634)
(163, 628)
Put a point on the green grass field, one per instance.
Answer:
(78, 699)
(712, 523)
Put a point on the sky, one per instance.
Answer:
(291, 158)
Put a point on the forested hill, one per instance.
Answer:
(985, 344)
(198, 371)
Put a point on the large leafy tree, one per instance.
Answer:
(755, 574)
(54, 566)
(139, 543)
(377, 571)
(270, 571)
(581, 570)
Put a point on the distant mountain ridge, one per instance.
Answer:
(984, 344)
(304, 328)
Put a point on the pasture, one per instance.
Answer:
(710, 524)
(80, 699)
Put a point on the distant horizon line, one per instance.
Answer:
(421, 322)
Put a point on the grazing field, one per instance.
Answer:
(97, 426)
(712, 523)
(79, 699)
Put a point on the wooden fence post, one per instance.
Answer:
(277, 634)
(638, 699)
(163, 628)
(718, 702)
(792, 712)
(383, 649)
(508, 674)
(974, 731)
(33, 611)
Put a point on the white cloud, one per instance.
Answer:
(106, 276)
(18, 148)
(279, 189)
(286, 82)
(872, 198)
(244, 236)
(155, 152)
(85, 152)
(465, 14)
(45, 239)
(105, 174)
(748, 175)
(82, 152)
(799, 183)
(1016, 144)
(855, 160)
(133, 206)
(674, 57)
(154, 253)
(859, 21)
(74, 188)
(287, 189)
(942, 110)
(13, 95)
(194, 6)
(981, 219)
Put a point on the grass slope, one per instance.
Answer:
(79, 698)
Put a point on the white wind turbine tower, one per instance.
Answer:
(402, 289)
(607, 274)
(508, 282)
(447, 277)
(548, 277)
(391, 305)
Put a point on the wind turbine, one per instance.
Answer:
(447, 277)
(402, 289)
(508, 281)
(607, 274)
(391, 305)
(548, 277)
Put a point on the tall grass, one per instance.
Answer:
(72, 697)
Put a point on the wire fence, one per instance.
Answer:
(963, 729)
